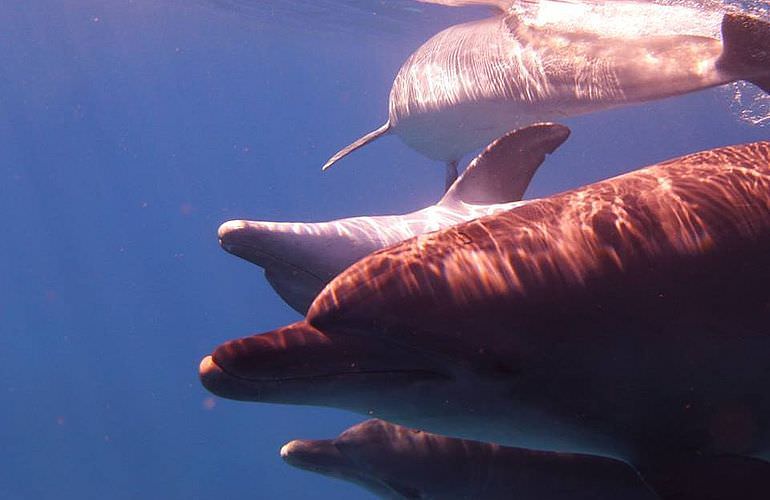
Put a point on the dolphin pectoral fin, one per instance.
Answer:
(722, 477)
(363, 141)
(502, 172)
(746, 52)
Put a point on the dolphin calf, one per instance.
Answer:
(396, 462)
(472, 82)
(627, 318)
(301, 258)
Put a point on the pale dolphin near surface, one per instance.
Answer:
(396, 462)
(472, 82)
(301, 258)
(627, 318)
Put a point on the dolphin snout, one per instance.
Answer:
(289, 352)
(317, 455)
(215, 380)
(242, 369)
(239, 234)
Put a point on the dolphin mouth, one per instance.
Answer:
(267, 260)
(224, 383)
(209, 369)
(276, 365)
(325, 457)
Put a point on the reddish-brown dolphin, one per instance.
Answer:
(628, 318)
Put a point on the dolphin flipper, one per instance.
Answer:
(363, 141)
(502, 172)
(746, 50)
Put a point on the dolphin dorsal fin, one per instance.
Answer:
(501, 173)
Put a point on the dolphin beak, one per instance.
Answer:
(325, 457)
(315, 455)
(239, 368)
(248, 240)
(296, 362)
(218, 381)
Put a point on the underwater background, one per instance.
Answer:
(129, 130)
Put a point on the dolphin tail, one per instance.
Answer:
(746, 52)
(363, 141)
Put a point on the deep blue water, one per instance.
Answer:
(129, 130)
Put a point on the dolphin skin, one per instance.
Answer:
(301, 258)
(396, 462)
(473, 82)
(627, 318)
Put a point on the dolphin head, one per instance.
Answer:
(388, 460)
(440, 384)
(301, 258)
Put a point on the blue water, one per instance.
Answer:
(129, 130)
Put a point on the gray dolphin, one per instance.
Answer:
(627, 318)
(400, 463)
(474, 81)
(301, 258)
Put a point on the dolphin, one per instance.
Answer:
(301, 258)
(472, 82)
(397, 462)
(626, 318)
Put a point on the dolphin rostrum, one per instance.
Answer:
(472, 82)
(301, 258)
(397, 462)
(627, 318)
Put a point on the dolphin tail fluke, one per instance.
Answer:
(363, 141)
(746, 50)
